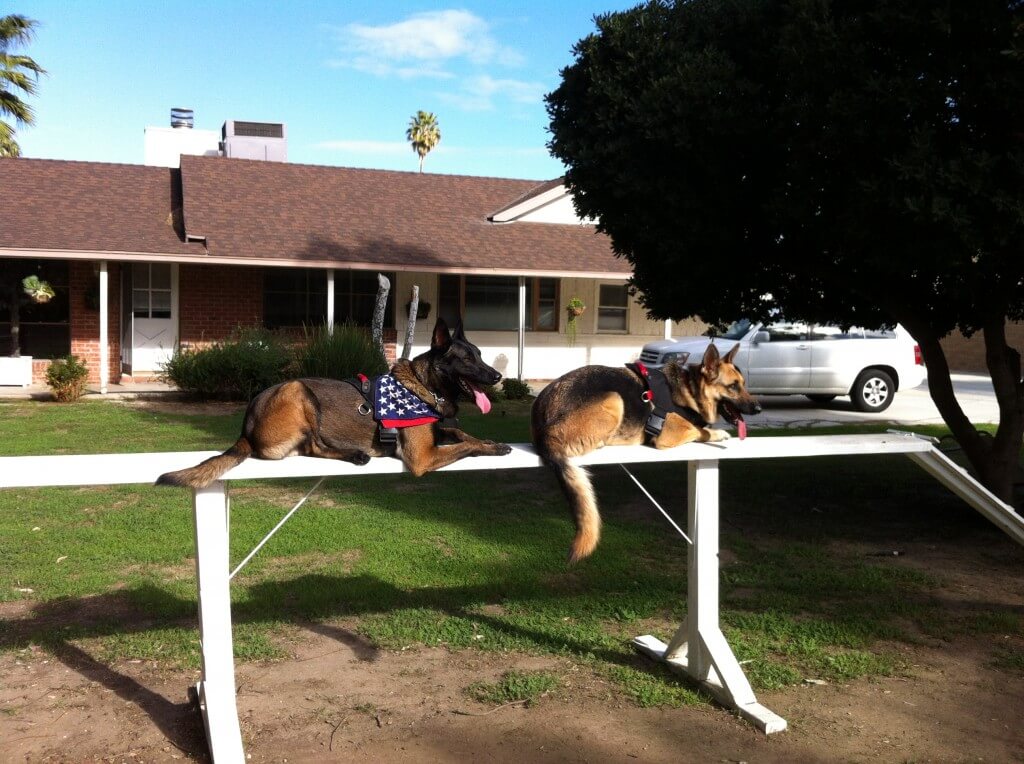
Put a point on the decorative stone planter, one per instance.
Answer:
(16, 371)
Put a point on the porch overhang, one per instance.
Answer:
(205, 259)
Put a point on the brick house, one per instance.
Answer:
(184, 255)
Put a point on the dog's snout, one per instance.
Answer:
(756, 408)
(495, 378)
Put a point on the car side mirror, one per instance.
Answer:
(760, 337)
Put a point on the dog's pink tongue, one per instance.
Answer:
(482, 401)
(741, 429)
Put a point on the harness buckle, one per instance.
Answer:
(654, 424)
(388, 436)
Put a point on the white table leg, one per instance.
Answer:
(699, 649)
(217, 687)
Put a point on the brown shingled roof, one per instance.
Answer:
(90, 206)
(404, 220)
(279, 213)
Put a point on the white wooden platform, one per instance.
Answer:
(698, 649)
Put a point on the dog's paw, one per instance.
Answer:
(360, 458)
(502, 449)
(716, 435)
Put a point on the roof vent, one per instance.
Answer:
(182, 118)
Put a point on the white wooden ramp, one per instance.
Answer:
(698, 649)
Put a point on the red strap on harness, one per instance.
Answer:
(362, 377)
(647, 395)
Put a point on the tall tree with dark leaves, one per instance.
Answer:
(862, 163)
(19, 76)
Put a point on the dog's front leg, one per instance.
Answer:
(421, 453)
(678, 431)
(448, 435)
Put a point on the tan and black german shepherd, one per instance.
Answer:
(330, 418)
(596, 406)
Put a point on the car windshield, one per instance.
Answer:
(737, 330)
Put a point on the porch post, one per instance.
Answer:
(522, 322)
(668, 328)
(330, 300)
(104, 332)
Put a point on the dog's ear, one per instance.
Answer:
(732, 353)
(459, 333)
(441, 339)
(711, 363)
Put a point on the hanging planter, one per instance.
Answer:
(574, 309)
(38, 290)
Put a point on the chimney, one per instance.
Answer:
(182, 118)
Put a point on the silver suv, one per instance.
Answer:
(821, 362)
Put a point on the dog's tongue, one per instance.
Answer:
(741, 428)
(482, 401)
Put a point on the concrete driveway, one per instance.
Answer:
(909, 407)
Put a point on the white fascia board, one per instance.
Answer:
(50, 254)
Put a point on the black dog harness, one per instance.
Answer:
(658, 393)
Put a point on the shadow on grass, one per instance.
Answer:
(312, 600)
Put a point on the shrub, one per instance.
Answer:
(251, 360)
(515, 389)
(348, 351)
(67, 377)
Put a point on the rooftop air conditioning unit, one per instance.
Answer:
(266, 141)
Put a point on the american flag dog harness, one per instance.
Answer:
(395, 406)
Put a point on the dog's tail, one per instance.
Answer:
(206, 472)
(578, 490)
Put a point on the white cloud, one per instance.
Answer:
(422, 45)
(478, 93)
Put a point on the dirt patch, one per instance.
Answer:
(339, 698)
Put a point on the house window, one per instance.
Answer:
(151, 290)
(45, 328)
(491, 303)
(294, 297)
(355, 297)
(612, 308)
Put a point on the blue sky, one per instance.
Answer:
(344, 76)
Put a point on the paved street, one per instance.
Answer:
(910, 407)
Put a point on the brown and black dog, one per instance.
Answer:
(596, 406)
(331, 418)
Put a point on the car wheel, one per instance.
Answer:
(873, 391)
(821, 397)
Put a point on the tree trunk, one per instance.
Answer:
(377, 326)
(1003, 465)
(995, 460)
(14, 307)
(410, 328)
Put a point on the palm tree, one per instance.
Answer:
(17, 73)
(423, 133)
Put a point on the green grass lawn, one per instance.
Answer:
(474, 561)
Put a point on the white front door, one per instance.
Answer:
(154, 315)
